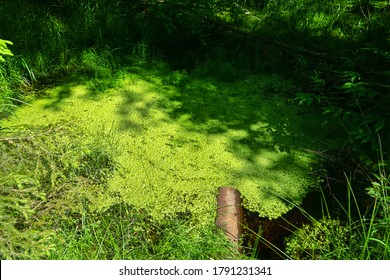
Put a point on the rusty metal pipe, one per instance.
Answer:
(230, 214)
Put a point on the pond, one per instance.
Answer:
(177, 140)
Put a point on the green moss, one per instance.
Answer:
(176, 144)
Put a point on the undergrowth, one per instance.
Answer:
(121, 232)
(46, 174)
(49, 179)
(360, 236)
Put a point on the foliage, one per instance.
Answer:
(324, 239)
(336, 51)
(49, 178)
(357, 100)
(4, 49)
(121, 232)
(46, 174)
(350, 85)
(363, 237)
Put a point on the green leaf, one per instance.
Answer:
(379, 125)
(380, 242)
(4, 49)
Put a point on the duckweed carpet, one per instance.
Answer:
(178, 138)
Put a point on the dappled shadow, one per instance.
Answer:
(266, 132)
(56, 101)
(181, 136)
(61, 86)
(180, 132)
(124, 110)
(258, 109)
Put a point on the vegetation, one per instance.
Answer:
(111, 110)
(4, 49)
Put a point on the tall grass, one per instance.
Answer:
(122, 232)
(359, 233)
(348, 223)
(12, 84)
(46, 173)
(92, 39)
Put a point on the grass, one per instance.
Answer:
(359, 233)
(50, 176)
(103, 139)
(121, 232)
(45, 175)
(342, 221)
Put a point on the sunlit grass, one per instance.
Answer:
(121, 232)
